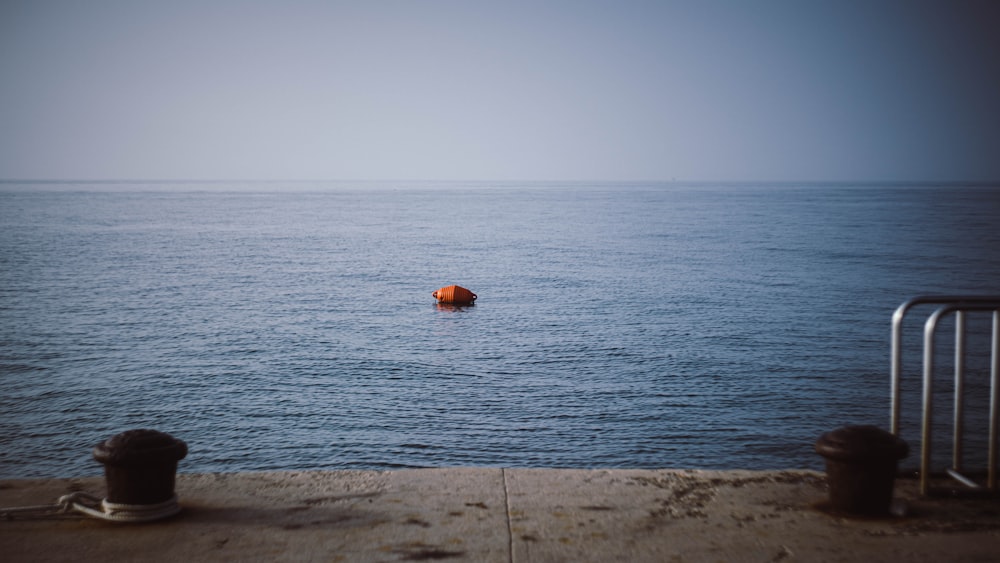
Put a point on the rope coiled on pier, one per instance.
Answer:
(102, 509)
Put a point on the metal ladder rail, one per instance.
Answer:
(930, 328)
(958, 303)
(897, 341)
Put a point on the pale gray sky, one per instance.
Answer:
(534, 90)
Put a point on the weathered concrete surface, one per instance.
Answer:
(484, 514)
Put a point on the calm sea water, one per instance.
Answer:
(291, 326)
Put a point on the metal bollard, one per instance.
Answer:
(861, 465)
(140, 466)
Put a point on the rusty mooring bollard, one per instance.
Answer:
(140, 466)
(861, 468)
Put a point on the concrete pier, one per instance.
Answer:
(503, 515)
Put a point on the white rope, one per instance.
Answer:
(9, 512)
(102, 509)
(116, 512)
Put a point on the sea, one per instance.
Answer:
(291, 326)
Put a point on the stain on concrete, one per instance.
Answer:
(339, 498)
(418, 551)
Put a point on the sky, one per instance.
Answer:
(581, 90)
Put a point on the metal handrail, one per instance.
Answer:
(958, 305)
(897, 340)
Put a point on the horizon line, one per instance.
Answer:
(673, 181)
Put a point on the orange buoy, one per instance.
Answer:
(455, 294)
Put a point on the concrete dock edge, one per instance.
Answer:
(503, 515)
